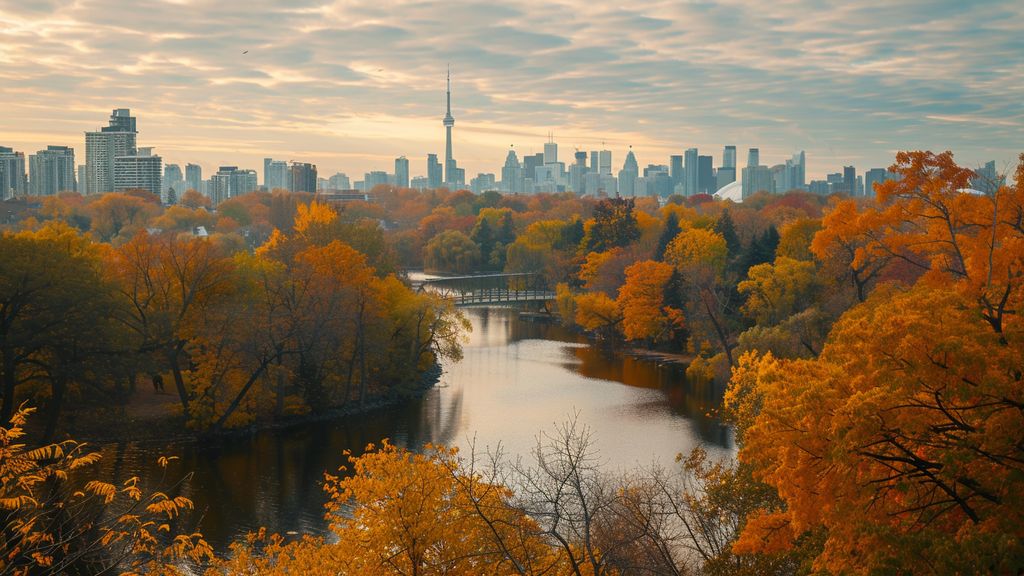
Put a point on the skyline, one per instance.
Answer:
(353, 87)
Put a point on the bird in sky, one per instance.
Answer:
(245, 52)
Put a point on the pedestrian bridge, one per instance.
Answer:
(489, 289)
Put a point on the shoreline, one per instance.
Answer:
(123, 424)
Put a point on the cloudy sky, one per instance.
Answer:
(351, 84)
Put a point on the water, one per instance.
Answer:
(518, 378)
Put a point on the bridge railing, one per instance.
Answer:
(490, 288)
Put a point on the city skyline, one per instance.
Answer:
(350, 88)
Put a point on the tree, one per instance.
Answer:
(56, 518)
(700, 257)
(57, 311)
(115, 212)
(484, 238)
(668, 234)
(645, 315)
(598, 313)
(451, 251)
(614, 225)
(727, 230)
(194, 199)
(170, 283)
(901, 440)
(778, 290)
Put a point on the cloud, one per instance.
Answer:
(348, 84)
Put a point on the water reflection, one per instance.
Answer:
(517, 378)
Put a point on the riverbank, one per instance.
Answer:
(156, 416)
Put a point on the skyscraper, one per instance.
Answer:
(434, 172)
(402, 172)
(604, 163)
(691, 173)
(676, 171)
(52, 171)
(986, 179)
(302, 177)
(339, 181)
(706, 175)
(628, 175)
(115, 139)
(512, 174)
(141, 171)
(850, 180)
(729, 158)
(795, 173)
(449, 161)
(229, 182)
(276, 174)
(550, 152)
(753, 157)
(12, 173)
(193, 176)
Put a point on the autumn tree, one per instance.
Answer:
(645, 314)
(700, 257)
(57, 518)
(614, 225)
(58, 314)
(901, 440)
(451, 251)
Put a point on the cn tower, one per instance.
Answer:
(449, 162)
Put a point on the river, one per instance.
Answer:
(517, 378)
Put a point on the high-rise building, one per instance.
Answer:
(604, 163)
(339, 182)
(530, 165)
(142, 171)
(172, 173)
(753, 157)
(706, 175)
(577, 172)
(691, 174)
(986, 179)
(676, 170)
(374, 178)
(628, 175)
(729, 158)
(434, 171)
(512, 174)
(780, 178)
(302, 177)
(193, 177)
(850, 180)
(449, 161)
(81, 186)
(52, 171)
(402, 172)
(482, 183)
(550, 152)
(276, 174)
(796, 172)
(872, 177)
(757, 178)
(102, 147)
(725, 176)
(13, 181)
(230, 182)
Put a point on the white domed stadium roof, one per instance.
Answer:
(732, 191)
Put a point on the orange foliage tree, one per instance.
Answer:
(902, 440)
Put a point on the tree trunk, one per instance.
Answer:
(58, 385)
(179, 381)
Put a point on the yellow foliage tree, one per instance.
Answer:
(642, 301)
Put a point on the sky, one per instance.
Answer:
(351, 84)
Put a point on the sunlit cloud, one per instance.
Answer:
(351, 84)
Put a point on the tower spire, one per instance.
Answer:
(449, 161)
